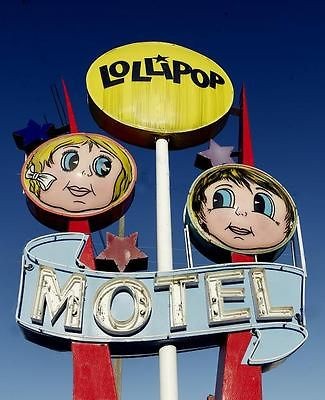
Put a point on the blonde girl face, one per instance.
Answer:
(79, 174)
(85, 178)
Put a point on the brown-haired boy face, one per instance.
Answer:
(243, 209)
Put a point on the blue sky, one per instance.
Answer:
(274, 48)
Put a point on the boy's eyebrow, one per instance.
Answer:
(261, 188)
(222, 184)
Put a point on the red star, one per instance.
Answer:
(122, 254)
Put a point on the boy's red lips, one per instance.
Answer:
(240, 231)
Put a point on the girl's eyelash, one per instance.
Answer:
(69, 151)
(103, 156)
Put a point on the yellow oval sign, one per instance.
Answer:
(142, 91)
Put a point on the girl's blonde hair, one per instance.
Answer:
(44, 156)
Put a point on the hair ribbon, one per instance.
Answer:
(45, 180)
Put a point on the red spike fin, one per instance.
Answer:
(71, 116)
(245, 139)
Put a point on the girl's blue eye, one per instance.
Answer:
(264, 204)
(102, 166)
(69, 160)
(223, 198)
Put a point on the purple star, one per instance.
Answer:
(216, 155)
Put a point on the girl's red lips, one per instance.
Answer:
(78, 191)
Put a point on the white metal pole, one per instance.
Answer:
(117, 362)
(167, 354)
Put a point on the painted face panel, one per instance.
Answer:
(243, 218)
(81, 173)
(78, 175)
(241, 209)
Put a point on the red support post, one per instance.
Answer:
(93, 376)
(237, 381)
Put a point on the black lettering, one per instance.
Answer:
(120, 69)
(200, 78)
(113, 71)
(136, 73)
(216, 79)
(167, 72)
(180, 68)
(150, 69)
(106, 81)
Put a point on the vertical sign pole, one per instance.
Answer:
(237, 381)
(117, 362)
(167, 354)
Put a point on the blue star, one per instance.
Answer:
(27, 139)
(33, 134)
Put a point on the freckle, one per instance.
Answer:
(277, 222)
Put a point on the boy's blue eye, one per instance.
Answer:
(69, 160)
(264, 204)
(223, 198)
(102, 166)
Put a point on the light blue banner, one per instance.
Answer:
(267, 299)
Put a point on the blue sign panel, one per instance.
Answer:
(61, 300)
